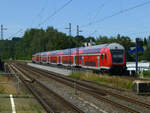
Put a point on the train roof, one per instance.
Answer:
(115, 46)
(83, 50)
(37, 54)
(110, 46)
(97, 48)
(43, 53)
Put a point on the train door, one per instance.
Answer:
(74, 59)
(102, 60)
(82, 60)
(49, 59)
(57, 59)
(60, 59)
(40, 59)
(98, 61)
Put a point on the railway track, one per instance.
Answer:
(96, 92)
(76, 69)
(51, 102)
(90, 70)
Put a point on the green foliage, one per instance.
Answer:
(33, 41)
(147, 53)
(1, 91)
(146, 73)
(37, 108)
(39, 40)
(145, 42)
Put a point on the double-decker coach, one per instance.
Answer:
(99, 57)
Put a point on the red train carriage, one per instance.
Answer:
(44, 57)
(99, 57)
(36, 58)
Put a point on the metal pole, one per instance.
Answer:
(2, 30)
(77, 47)
(18, 82)
(78, 31)
(70, 30)
(75, 90)
(70, 44)
(137, 55)
(18, 86)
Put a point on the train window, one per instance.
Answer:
(80, 57)
(105, 56)
(102, 57)
(117, 56)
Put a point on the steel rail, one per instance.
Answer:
(95, 89)
(40, 100)
(92, 90)
(49, 90)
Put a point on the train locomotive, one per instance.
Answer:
(110, 57)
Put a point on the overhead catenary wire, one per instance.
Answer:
(96, 21)
(117, 13)
(12, 35)
(128, 33)
(100, 8)
(40, 12)
(21, 30)
(55, 12)
(137, 33)
(43, 8)
(90, 34)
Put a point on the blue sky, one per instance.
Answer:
(23, 14)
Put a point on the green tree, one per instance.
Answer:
(145, 41)
(147, 53)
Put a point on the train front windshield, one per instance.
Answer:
(117, 56)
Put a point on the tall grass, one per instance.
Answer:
(37, 108)
(146, 74)
(113, 81)
(2, 91)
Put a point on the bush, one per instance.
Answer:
(146, 73)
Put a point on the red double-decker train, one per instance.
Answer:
(100, 57)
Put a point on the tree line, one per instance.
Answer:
(39, 40)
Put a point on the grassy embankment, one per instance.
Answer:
(113, 81)
(146, 74)
(6, 88)
(28, 105)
